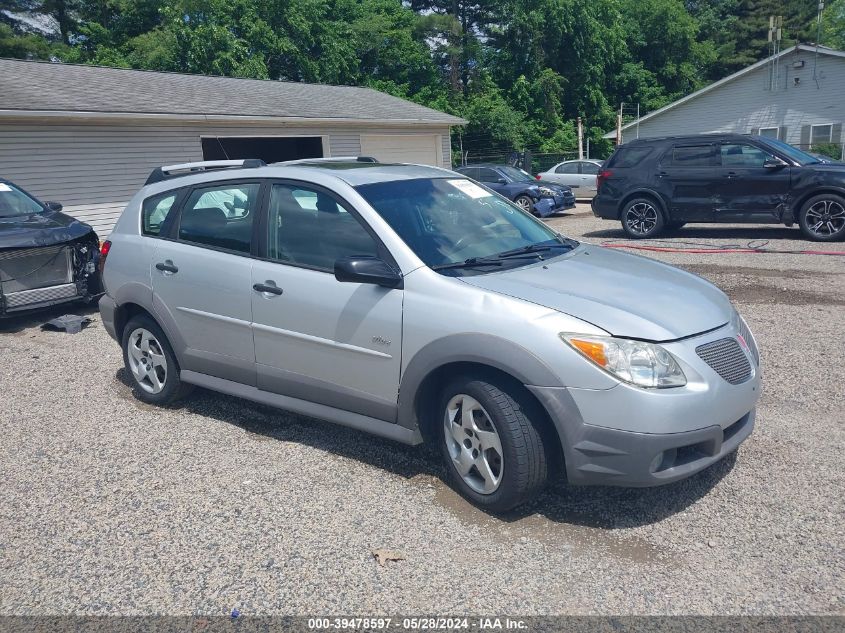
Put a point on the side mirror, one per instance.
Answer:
(774, 163)
(53, 206)
(501, 181)
(367, 270)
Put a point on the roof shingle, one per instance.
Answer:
(56, 87)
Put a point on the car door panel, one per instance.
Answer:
(687, 176)
(322, 340)
(747, 191)
(204, 287)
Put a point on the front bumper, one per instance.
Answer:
(545, 207)
(626, 436)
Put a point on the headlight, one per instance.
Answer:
(636, 362)
(546, 192)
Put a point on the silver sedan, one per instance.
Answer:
(580, 175)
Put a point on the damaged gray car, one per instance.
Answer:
(46, 256)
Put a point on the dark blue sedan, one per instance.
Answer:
(541, 199)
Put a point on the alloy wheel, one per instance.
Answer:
(524, 203)
(147, 361)
(474, 444)
(825, 218)
(641, 218)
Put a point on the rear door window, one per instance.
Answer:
(220, 216)
(567, 168)
(692, 156)
(629, 156)
(589, 168)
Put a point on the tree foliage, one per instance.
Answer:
(520, 71)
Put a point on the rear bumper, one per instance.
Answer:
(108, 308)
(604, 208)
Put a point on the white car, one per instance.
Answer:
(580, 175)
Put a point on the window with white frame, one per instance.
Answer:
(820, 134)
(769, 132)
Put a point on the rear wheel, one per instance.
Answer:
(822, 218)
(525, 203)
(492, 445)
(641, 218)
(150, 362)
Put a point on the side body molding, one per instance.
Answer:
(483, 349)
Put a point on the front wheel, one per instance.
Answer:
(525, 203)
(642, 219)
(494, 452)
(822, 218)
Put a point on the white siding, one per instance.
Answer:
(747, 104)
(94, 168)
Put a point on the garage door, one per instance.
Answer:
(397, 148)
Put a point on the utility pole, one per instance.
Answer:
(619, 125)
(580, 139)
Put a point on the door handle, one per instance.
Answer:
(662, 174)
(167, 267)
(731, 174)
(270, 288)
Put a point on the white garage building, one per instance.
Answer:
(88, 136)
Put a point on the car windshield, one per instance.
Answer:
(802, 158)
(14, 202)
(517, 175)
(454, 221)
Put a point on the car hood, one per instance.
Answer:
(625, 295)
(40, 229)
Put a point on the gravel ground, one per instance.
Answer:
(114, 507)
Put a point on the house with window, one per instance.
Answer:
(797, 96)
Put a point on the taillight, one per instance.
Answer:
(538, 177)
(104, 251)
(603, 175)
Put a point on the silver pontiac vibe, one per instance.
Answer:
(416, 304)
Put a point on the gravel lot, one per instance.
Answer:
(114, 507)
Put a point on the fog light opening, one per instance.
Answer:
(664, 461)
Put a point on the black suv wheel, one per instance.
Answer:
(822, 218)
(641, 218)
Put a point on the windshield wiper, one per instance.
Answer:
(468, 263)
(533, 248)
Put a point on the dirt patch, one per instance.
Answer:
(760, 294)
(541, 529)
(750, 271)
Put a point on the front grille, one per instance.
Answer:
(749, 338)
(32, 268)
(727, 359)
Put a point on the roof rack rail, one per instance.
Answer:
(330, 159)
(186, 169)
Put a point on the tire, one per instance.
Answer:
(150, 362)
(500, 438)
(674, 226)
(822, 218)
(525, 203)
(642, 218)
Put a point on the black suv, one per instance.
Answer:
(663, 183)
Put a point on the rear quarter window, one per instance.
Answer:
(629, 156)
(155, 211)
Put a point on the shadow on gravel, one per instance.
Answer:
(595, 507)
(742, 235)
(16, 324)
